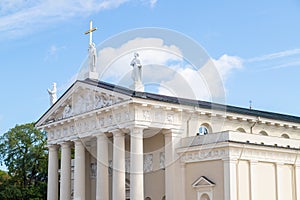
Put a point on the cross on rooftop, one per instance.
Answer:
(90, 31)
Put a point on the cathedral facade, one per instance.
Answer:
(110, 142)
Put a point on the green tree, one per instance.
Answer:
(23, 151)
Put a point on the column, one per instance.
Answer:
(230, 186)
(136, 164)
(118, 190)
(102, 168)
(79, 171)
(183, 171)
(253, 179)
(65, 177)
(297, 180)
(171, 142)
(279, 181)
(52, 193)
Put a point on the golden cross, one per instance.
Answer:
(90, 31)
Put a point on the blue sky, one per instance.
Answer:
(255, 43)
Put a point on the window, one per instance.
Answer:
(203, 130)
(241, 130)
(204, 197)
(147, 198)
(263, 133)
(204, 188)
(285, 135)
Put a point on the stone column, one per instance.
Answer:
(52, 193)
(118, 190)
(297, 180)
(279, 175)
(65, 177)
(171, 142)
(230, 186)
(79, 171)
(102, 168)
(253, 179)
(136, 164)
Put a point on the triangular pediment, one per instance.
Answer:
(83, 97)
(203, 182)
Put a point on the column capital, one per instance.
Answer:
(52, 147)
(117, 133)
(170, 132)
(136, 130)
(253, 162)
(101, 136)
(279, 164)
(65, 144)
(78, 142)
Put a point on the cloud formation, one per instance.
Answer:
(165, 70)
(18, 17)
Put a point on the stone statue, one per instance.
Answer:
(136, 74)
(92, 57)
(52, 93)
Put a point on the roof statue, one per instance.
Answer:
(52, 93)
(136, 73)
(92, 62)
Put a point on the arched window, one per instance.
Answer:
(263, 133)
(204, 129)
(241, 130)
(285, 135)
(147, 198)
(204, 197)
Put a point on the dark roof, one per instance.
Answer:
(188, 102)
(196, 103)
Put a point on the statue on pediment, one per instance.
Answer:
(136, 74)
(92, 57)
(52, 93)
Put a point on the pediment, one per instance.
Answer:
(80, 98)
(203, 182)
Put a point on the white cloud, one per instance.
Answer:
(165, 69)
(226, 64)
(206, 84)
(276, 55)
(19, 17)
(53, 51)
(114, 63)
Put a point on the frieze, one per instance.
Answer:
(235, 153)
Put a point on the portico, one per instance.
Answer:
(117, 126)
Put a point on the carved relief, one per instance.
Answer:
(162, 160)
(170, 118)
(146, 115)
(67, 111)
(148, 162)
(93, 170)
(127, 165)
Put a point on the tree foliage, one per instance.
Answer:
(23, 151)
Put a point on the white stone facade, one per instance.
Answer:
(135, 145)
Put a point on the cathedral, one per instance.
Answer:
(108, 142)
